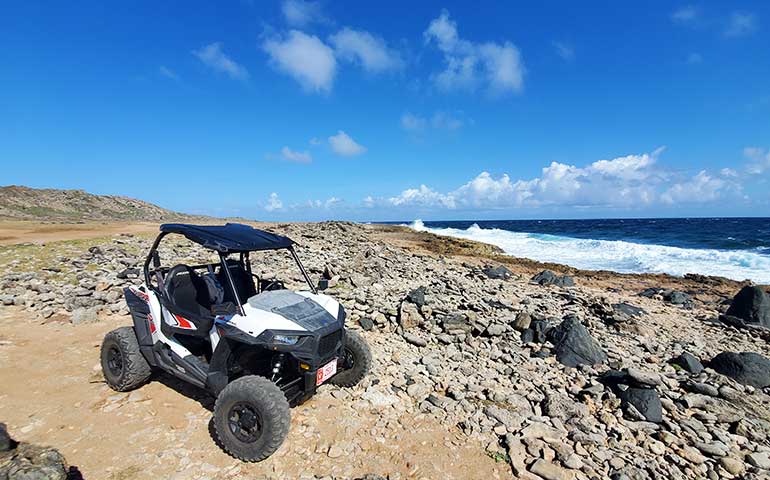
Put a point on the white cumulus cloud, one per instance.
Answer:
(629, 181)
(685, 15)
(305, 58)
(359, 46)
(213, 57)
(440, 120)
(344, 145)
(273, 203)
(468, 65)
(296, 156)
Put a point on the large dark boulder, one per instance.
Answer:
(573, 344)
(500, 272)
(688, 362)
(417, 296)
(547, 277)
(30, 462)
(752, 305)
(645, 400)
(748, 368)
(5, 439)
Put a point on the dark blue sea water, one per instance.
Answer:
(737, 248)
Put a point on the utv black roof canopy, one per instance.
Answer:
(229, 238)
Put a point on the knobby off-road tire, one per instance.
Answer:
(251, 418)
(358, 351)
(123, 365)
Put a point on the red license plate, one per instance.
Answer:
(326, 372)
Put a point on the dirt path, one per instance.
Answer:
(52, 393)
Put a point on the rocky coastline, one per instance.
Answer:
(556, 373)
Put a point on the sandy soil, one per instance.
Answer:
(53, 394)
(14, 232)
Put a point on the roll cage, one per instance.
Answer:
(248, 240)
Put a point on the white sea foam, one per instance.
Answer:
(617, 255)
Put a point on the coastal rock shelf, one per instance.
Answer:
(577, 377)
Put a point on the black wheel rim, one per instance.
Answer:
(348, 359)
(115, 361)
(245, 422)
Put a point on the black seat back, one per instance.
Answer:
(244, 282)
(188, 296)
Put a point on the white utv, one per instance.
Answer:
(250, 342)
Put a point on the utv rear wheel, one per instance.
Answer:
(251, 418)
(123, 365)
(356, 361)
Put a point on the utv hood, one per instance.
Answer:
(299, 309)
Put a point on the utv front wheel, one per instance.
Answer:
(123, 365)
(356, 361)
(251, 418)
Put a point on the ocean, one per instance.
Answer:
(735, 248)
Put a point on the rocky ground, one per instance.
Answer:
(485, 367)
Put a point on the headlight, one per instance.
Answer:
(286, 339)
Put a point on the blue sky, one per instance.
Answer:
(393, 110)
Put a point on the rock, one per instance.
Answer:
(522, 321)
(623, 311)
(558, 405)
(752, 305)
(677, 298)
(409, 316)
(646, 401)
(128, 273)
(509, 419)
(500, 272)
(688, 362)
(5, 439)
(539, 329)
(547, 277)
(732, 465)
(574, 346)
(415, 340)
(642, 378)
(747, 368)
(550, 471)
(457, 322)
(759, 460)
(366, 323)
(83, 315)
(31, 462)
(7, 299)
(417, 296)
(692, 455)
(702, 388)
(495, 330)
(335, 451)
(418, 391)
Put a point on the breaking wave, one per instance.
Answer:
(616, 255)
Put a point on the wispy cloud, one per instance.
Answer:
(213, 57)
(564, 50)
(694, 58)
(295, 156)
(305, 58)
(440, 120)
(371, 52)
(344, 145)
(759, 160)
(686, 15)
(300, 13)
(497, 67)
(741, 24)
(168, 73)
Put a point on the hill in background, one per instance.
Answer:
(48, 204)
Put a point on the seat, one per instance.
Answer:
(189, 297)
(244, 282)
